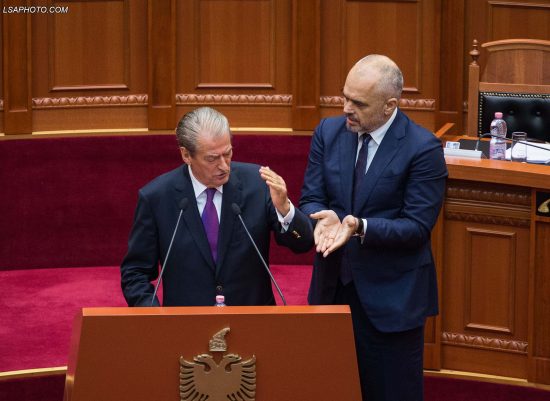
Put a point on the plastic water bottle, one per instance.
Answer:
(497, 146)
(220, 300)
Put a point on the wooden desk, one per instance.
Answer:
(493, 255)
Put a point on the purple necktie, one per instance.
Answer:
(211, 222)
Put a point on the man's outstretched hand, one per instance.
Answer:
(330, 234)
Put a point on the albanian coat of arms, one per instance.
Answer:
(216, 378)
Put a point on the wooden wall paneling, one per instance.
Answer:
(89, 53)
(332, 58)
(452, 75)
(90, 68)
(485, 284)
(432, 330)
(518, 19)
(490, 20)
(232, 52)
(392, 28)
(16, 62)
(539, 301)
(306, 69)
(236, 57)
(490, 280)
(406, 31)
(161, 91)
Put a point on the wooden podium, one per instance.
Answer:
(286, 353)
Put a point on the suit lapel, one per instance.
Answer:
(232, 192)
(347, 144)
(384, 155)
(192, 218)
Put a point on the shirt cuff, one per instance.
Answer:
(286, 220)
(362, 236)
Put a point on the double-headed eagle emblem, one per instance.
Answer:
(229, 379)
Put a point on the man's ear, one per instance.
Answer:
(390, 106)
(185, 155)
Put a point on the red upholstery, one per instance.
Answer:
(70, 201)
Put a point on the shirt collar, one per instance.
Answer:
(379, 133)
(199, 187)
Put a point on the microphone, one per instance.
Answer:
(237, 211)
(182, 205)
(527, 143)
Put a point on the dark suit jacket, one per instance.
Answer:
(191, 277)
(401, 195)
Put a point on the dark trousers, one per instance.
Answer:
(390, 364)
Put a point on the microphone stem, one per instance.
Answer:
(263, 261)
(166, 259)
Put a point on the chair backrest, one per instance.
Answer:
(515, 80)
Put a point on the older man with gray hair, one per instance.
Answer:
(210, 252)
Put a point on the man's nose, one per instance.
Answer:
(224, 164)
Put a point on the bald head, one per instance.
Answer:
(371, 93)
(388, 76)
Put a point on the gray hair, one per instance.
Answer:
(391, 78)
(200, 122)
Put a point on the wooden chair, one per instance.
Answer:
(515, 80)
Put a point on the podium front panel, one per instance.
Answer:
(290, 353)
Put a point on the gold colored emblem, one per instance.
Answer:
(229, 379)
(543, 208)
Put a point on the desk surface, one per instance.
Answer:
(497, 171)
(500, 172)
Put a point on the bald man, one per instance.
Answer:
(374, 184)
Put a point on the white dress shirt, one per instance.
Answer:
(200, 194)
(377, 137)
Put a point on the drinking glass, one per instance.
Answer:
(518, 152)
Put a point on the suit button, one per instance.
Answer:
(219, 290)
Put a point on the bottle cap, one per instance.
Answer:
(498, 114)
(220, 299)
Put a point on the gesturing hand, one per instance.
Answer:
(326, 229)
(277, 190)
(345, 230)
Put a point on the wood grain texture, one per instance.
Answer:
(181, 52)
(161, 25)
(495, 272)
(17, 69)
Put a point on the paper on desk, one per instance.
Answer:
(534, 154)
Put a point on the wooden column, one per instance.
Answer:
(162, 64)
(17, 70)
(306, 65)
(451, 60)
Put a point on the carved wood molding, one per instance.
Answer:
(258, 100)
(497, 344)
(488, 193)
(486, 219)
(406, 104)
(417, 104)
(89, 101)
(332, 101)
(184, 99)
